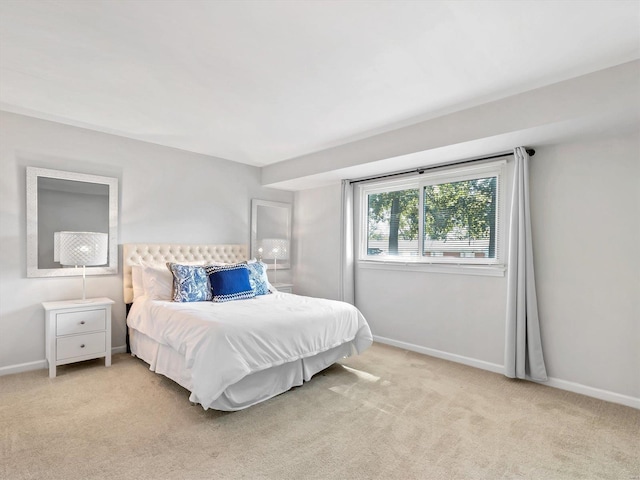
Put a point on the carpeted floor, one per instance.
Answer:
(387, 414)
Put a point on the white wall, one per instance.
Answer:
(586, 218)
(316, 223)
(166, 195)
(586, 212)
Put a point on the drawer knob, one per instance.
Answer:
(82, 322)
(82, 346)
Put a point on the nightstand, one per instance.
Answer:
(284, 287)
(77, 331)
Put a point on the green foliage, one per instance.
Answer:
(465, 209)
(380, 207)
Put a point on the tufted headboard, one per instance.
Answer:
(160, 253)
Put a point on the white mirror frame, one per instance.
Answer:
(255, 203)
(33, 174)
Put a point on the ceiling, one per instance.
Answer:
(259, 82)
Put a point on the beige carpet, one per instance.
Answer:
(383, 415)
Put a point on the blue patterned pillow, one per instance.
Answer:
(190, 283)
(229, 282)
(258, 278)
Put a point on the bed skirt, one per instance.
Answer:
(252, 389)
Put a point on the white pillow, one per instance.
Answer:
(136, 279)
(157, 282)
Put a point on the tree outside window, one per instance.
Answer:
(459, 220)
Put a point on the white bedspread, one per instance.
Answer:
(224, 342)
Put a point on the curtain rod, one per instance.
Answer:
(421, 170)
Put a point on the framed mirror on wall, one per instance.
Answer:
(271, 233)
(63, 203)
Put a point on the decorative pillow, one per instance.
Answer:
(258, 278)
(157, 282)
(190, 283)
(230, 282)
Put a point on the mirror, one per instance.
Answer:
(66, 201)
(271, 232)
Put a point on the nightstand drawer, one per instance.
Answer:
(80, 322)
(80, 345)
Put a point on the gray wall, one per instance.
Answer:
(166, 195)
(586, 212)
(316, 222)
(586, 222)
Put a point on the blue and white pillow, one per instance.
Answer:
(230, 282)
(258, 278)
(190, 283)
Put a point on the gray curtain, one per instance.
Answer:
(347, 260)
(523, 346)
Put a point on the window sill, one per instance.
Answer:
(453, 269)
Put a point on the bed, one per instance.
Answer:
(235, 354)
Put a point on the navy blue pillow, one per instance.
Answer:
(229, 282)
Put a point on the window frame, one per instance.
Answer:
(451, 174)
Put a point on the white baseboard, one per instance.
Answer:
(40, 364)
(598, 393)
(23, 367)
(472, 362)
(606, 395)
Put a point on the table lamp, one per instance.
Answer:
(274, 249)
(83, 248)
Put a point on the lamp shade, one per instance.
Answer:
(83, 248)
(275, 248)
(56, 246)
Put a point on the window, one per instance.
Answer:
(451, 216)
(393, 223)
